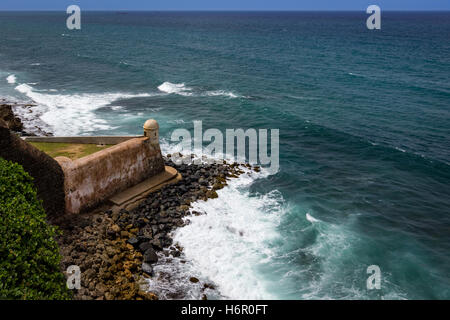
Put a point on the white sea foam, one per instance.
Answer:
(170, 148)
(311, 219)
(177, 88)
(73, 114)
(11, 79)
(337, 267)
(181, 89)
(30, 115)
(171, 280)
(356, 75)
(220, 93)
(230, 242)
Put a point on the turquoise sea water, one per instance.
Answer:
(364, 126)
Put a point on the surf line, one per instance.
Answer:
(214, 152)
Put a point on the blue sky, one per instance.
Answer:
(224, 4)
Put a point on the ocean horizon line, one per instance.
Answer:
(235, 11)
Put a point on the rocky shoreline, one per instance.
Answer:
(21, 122)
(116, 251)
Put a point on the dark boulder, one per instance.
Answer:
(156, 243)
(133, 241)
(150, 256)
(147, 268)
(145, 246)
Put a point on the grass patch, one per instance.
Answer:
(69, 150)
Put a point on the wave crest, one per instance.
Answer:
(177, 88)
(182, 90)
(73, 114)
(11, 79)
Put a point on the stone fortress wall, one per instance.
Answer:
(122, 172)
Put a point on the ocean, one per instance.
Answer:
(364, 122)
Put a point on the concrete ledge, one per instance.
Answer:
(130, 198)
(83, 140)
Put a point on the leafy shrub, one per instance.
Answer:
(29, 256)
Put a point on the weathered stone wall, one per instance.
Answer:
(48, 175)
(82, 139)
(93, 179)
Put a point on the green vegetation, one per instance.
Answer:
(69, 150)
(29, 257)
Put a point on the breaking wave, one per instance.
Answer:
(182, 90)
(72, 114)
(11, 79)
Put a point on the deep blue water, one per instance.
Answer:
(364, 120)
